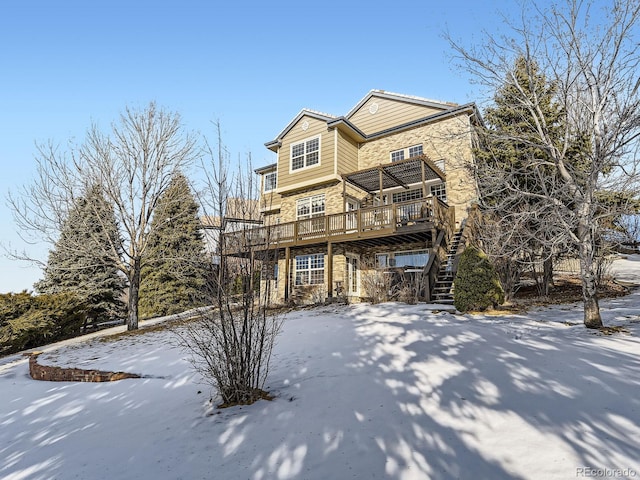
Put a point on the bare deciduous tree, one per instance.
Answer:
(132, 165)
(591, 55)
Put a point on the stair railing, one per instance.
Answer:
(456, 258)
(433, 264)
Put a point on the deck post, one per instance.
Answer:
(344, 195)
(329, 270)
(424, 182)
(287, 272)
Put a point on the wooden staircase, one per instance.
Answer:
(443, 288)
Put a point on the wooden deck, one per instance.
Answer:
(422, 215)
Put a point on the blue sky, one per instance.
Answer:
(252, 65)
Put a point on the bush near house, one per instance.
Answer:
(476, 286)
(27, 321)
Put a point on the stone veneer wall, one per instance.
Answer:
(59, 374)
(449, 139)
(333, 200)
(339, 269)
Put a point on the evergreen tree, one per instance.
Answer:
(78, 263)
(173, 275)
(510, 142)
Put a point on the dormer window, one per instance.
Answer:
(305, 154)
(270, 181)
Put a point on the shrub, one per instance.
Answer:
(12, 305)
(477, 286)
(28, 321)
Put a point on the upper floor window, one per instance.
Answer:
(270, 181)
(407, 152)
(415, 151)
(310, 207)
(397, 155)
(305, 154)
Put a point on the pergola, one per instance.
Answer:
(403, 173)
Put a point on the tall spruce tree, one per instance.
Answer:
(87, 272)
(174, 272)
(509, 142)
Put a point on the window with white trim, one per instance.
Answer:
(397, 155)
(408, 259)
(439, 191)
(407, 195)
(415, 151)
(353, 275)
(310, 207)
(270, 181)
(305, 154)
(310, 269)
(407, 152)
(382, 260)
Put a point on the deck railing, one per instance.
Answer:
(384, 218)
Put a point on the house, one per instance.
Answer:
(379, 191)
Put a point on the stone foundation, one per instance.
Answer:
(59, 374)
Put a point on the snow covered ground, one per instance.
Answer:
(385, 391)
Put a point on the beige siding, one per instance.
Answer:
(347, 154)
(288, 178)
(389, 113)
(268, 201)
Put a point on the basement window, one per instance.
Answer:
(408, 259)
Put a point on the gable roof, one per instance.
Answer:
(343, 122)
(267, 168)
(403, 98)
(304, 112)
